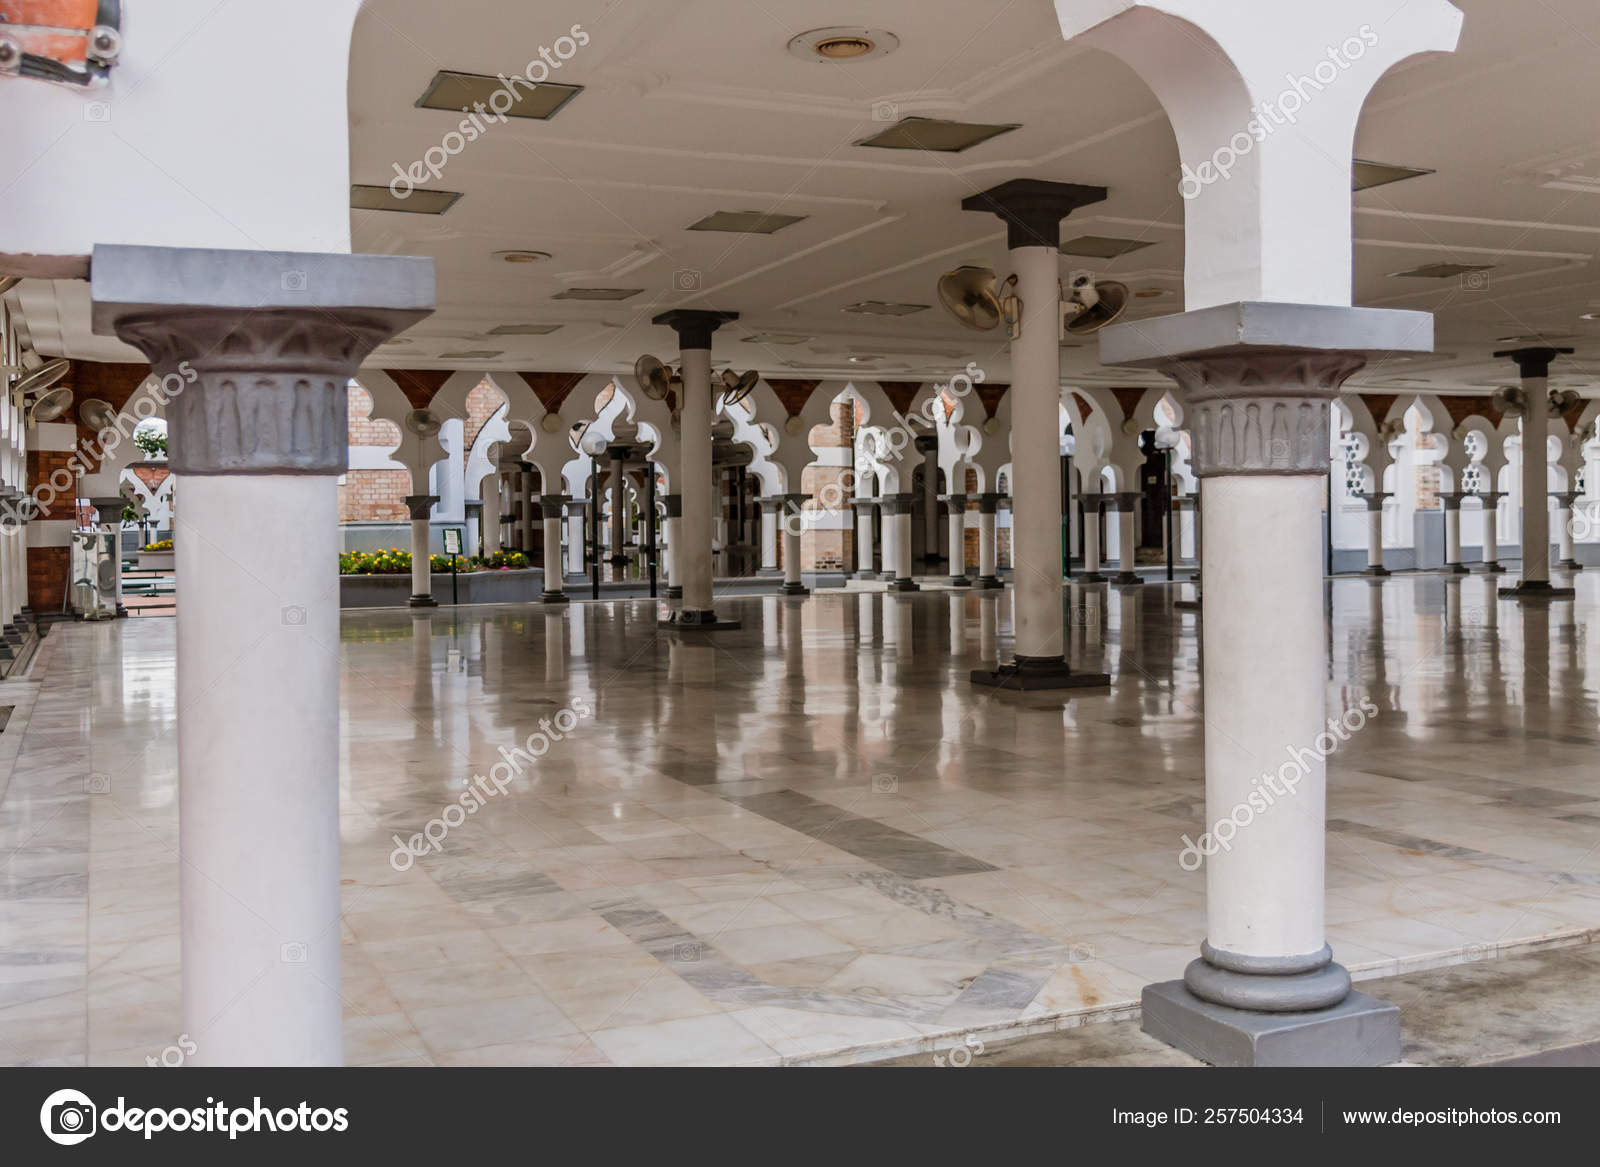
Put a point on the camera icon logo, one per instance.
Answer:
(97, 784)
(294, 616)
(97, 111)
(885, 111)
(68, 1117)
(686, 280)
(686, 954)
(292, 952)
(294, 281)
(885, 784)
(1474, 281)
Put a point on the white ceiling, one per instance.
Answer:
(694, 106)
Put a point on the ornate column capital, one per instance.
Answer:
(989, 503)
(1262, 412)
(897, 504)
(420, 506)
(1126, 500)
(1376, 498)
(551, 506)
(1565, 498)
(255, 349)
(864, 506)
(1451, 499)
(957, 500)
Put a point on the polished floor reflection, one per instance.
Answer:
(810, 839)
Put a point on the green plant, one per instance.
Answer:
(159, 545)
(152, 442)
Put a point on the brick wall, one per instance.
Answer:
(47, 577)
(374, 496)
(364, 429)
(481, 405)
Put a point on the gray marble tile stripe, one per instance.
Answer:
(1469, 854)
(894, 850)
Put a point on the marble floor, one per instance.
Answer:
(810, 840)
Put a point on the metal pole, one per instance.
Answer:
(1066, 515)
(594, 528)
(1327, 522)
(455, 592)
(650, 524)
(1166, 489)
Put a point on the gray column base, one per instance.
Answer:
(904, 585)
(555, 598)
(960, 581)
(769, 572)
(1376, 572)
(1359, 1031)
(686, 621)
(1495, 568)
(1029, 674)
(1127, 578)
(1090, 577)
(862, 575)
(988, 583)
(1456, 569)
(1537, 590)
(1570, 565)
(14, 636)
(795, 589)
(674, 592)
(422, 602)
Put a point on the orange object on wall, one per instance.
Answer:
(60, 40)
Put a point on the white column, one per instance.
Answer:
(1091, 539)
(577, 537)
(1491, 531)
(671, 531)
(1374, 532)
(957, 520)
(1451, 501)
(988, 504)
(258, 621)
(1036, 458)
(1564, 501)
(928, 444)
(898, 509)
(770, 520)
(527, 506)
(864, 559)
(1534, 365)
(555, 586)
(790, 507)
(692, 539)
(420, 507)
(1126, 501)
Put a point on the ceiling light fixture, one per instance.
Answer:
(419, 201)
(473, 355)
(885, 308)
(460, 92)
(842, 44)
(1104, 246)
(934, 134)
(597, 294)
(522, 330)
(521, 256)
(746, 222)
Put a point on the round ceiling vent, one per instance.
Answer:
(843, 44)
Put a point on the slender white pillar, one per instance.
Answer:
(1375, 500)
(693, 557)
(671, 532)
(1126, 502)
(1091, 539)
(788, 516)
(577, 536)
(864, 549)
(419, 506)
(551, 507)
(958, 540)
(525, 509)
(1491, 531)
(988, 505)
(897, 509)
(1451, 501)
(260, 432)
(1564, 503)
(771, 519)
(1534, 365)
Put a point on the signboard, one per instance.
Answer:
(452, 540)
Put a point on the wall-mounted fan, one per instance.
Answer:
(652, 377)
(1091, 306)
(50, 405)
(1511, 400)
(39, 375)
(1561, 400)
(423, 423)
(98, 415)
(736, 387)
(970, 295)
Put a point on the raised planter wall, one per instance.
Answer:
(522, 585)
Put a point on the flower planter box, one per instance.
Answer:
(514, 586)
(157, 561)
